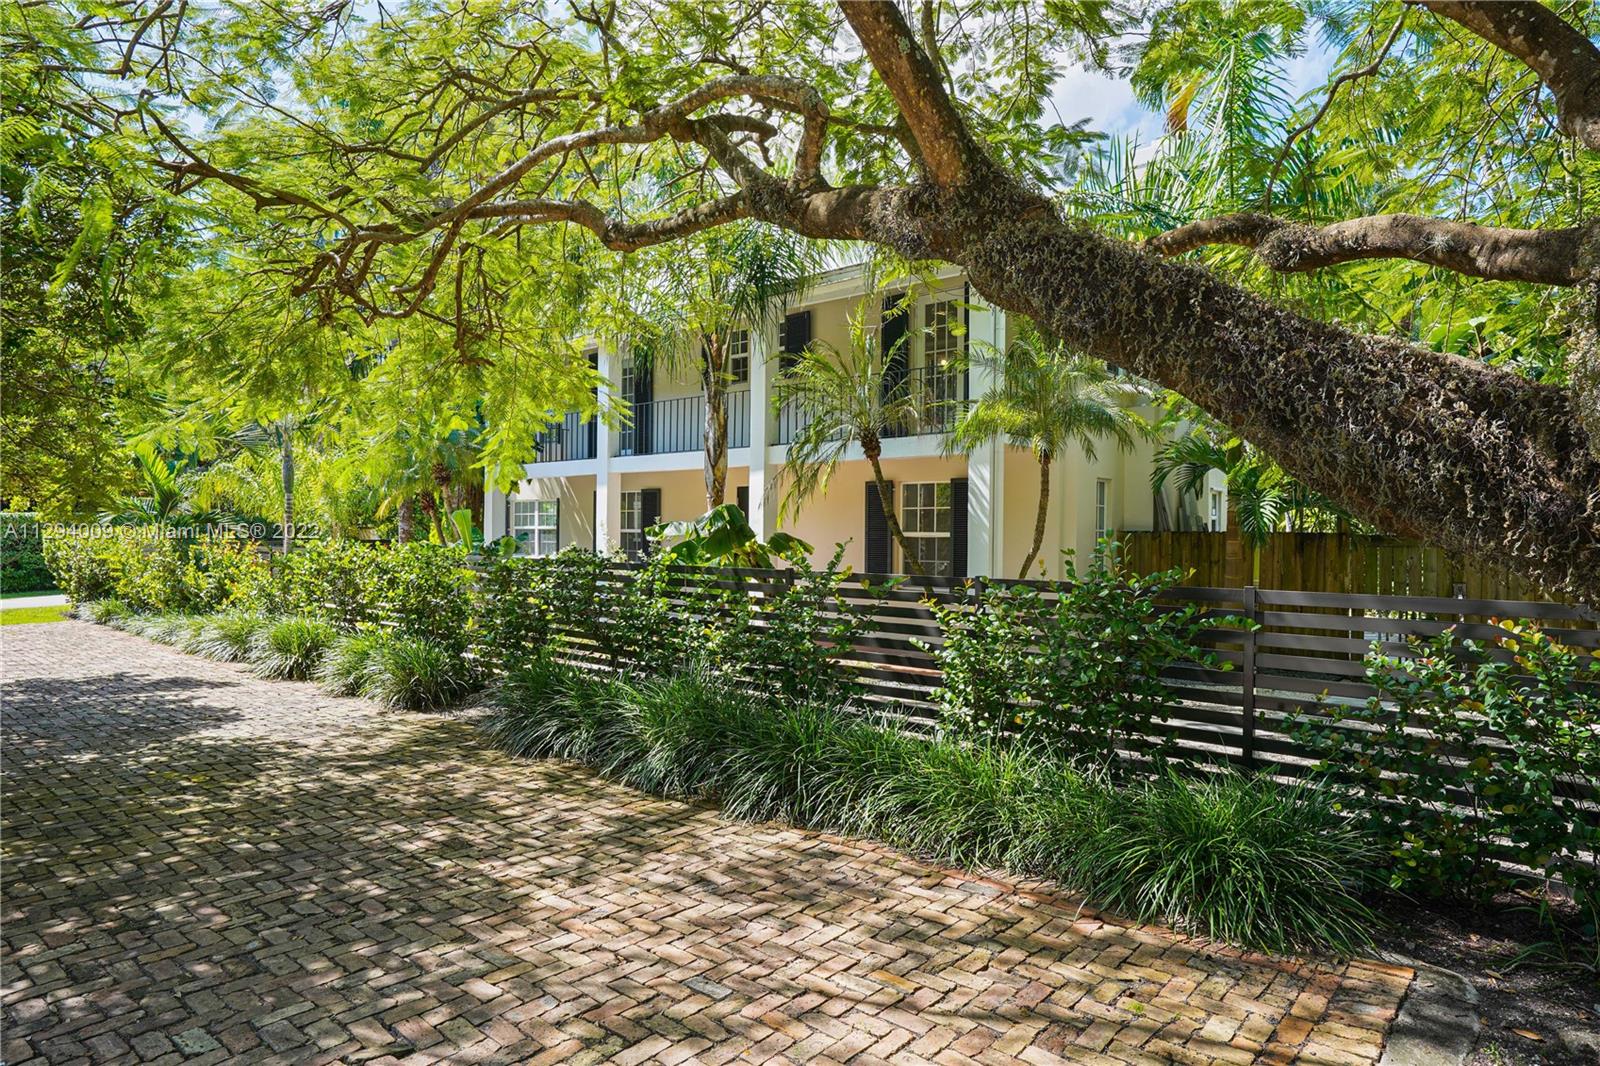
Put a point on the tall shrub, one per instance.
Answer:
(1075, 666)
(416, 589)
(155, 568)
(22, 563)
(1472, 753)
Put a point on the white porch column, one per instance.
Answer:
(763, 347)
(986, 466)
(494, 512)
(607, 485)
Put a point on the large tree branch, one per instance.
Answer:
(1544, 257)
(1562, 57)
(946, 145)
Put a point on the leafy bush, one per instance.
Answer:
(1469, 754)
(420, 590)
(82, 571)
(155, 569)
(1233, 856)
(22, 563)
(1073, 665)
(291, 648)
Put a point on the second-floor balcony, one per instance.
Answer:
(940, 394)
(658, 427)
(571, 438)
(677, 424)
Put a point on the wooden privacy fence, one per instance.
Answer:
(1324, 562)
(1301, 652)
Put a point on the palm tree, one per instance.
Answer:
(733, 279)
(167, 498)
(1046, 399)
(1261, 494)
(849, 400)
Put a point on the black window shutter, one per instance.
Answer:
(594, 364)
(794, 337)
(892, 343)
(594, 521)
(958, 526)
(649, 511)
(878, 542)
(643, 392)
(742, 494)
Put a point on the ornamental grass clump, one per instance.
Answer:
(291, 649)
(345, 668)
(1234, 857)
(227, 637)
(413, 674)
(106, 612)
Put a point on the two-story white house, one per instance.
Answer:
(601, 486)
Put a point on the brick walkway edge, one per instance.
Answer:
(204, 867)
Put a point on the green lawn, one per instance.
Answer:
(32, 592)
(21, 615)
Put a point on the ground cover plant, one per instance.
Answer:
(1230, 857)
(704, 685)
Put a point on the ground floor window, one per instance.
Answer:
(925, 520)
(1214, 519)
(632, 523)
(535, 525)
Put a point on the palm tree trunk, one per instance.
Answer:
(286, 456)
(887, 499)
(716, 425)
(404, 519)
(1038, 519)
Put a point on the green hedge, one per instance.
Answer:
(153, 568)
(22, 563)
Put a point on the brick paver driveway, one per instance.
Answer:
(202, 866)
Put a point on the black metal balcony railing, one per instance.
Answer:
(678, 425)
(739, 419)
(941, 394)
(662, 426)
(571, 438)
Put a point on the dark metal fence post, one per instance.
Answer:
(1247, 681)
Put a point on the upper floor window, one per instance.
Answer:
(534, 523)
(944, 332)
(925, 520)
(1102, 509)
(739, 356)
(1214, 519)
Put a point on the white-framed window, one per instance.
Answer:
(739, 356)
(943, 345)
(925, 520)
(1215, 517)
(631, 533)
(1102, 509)
(535, 524)
(944, 332)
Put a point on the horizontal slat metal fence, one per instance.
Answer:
(1302, 655)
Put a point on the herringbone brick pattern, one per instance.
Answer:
(205, 867)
